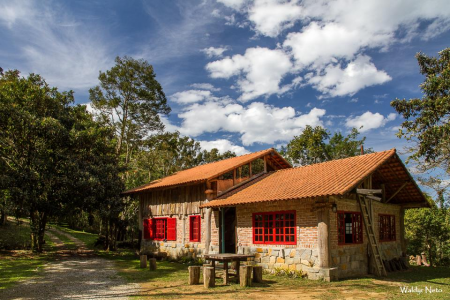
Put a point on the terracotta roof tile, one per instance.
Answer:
(335, 177)
(203, 172)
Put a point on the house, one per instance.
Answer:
(329, 220)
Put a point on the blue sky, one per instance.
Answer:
(240, 75)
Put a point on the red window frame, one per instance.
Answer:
(194, 229)
(355, 227)
(277, 228)
(386, 225)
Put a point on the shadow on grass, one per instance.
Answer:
(435, 275)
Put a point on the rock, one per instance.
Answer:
(306, 254)
(280, 260)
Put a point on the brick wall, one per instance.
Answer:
(306, 222)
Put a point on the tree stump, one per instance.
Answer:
(418, 260)
(245, 276)
(209, 277)
(152, 264)
(257, 274)
(194, 275)
(143, 261)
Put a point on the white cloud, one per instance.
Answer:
(212, 52)
(256, 123)
(66, 53)
(235, 4)
(191, 96)
(334, 81)
(223, 146)
(205, 86)
(369, 121)
(260, 71)
(271, 17)
(334, 33)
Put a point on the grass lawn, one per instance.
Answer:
(20, 264)
(88, 238)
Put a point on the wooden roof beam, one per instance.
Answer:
(398, 191)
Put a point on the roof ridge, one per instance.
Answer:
(339, 159)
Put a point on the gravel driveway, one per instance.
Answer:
(74, 275)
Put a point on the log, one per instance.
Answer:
(245, 276)
(143, 261)
(424, 260)
(257, 274)
(209, 277)
(152, 264)
(194, 275)
(418, 260)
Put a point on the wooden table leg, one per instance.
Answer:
(238, 265)
(213, 262)
(225, 272)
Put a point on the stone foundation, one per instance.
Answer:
(290, 259)
(350, 260)
(175, 250)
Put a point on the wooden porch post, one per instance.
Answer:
(209, 196)
(323, 228)
(402, 231)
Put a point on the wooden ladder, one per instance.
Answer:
(374, 246)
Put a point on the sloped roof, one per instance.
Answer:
(336, 177)
(209, 171)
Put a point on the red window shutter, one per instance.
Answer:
(151, 229)
(171, 229)
(146, 229)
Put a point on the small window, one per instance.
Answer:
(350, 228)
(387, 228)
(194, 228)
(274, 228)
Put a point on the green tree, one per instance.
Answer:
(206, 157)
(131, 100)
(317, 145)
(428, 230)
(95, 165)
(34, 122)
(427, 118)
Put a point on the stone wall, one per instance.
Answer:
(352, 260)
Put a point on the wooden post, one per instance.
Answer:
(245, 276)
(209, 277)
(194, 275)
(225, 273)
(402, 232)
(152, 264)
(144, 261)
(323, 220)
(257, 274)
(209, 197)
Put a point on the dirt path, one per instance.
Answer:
(74, 275)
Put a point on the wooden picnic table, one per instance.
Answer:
(226, 258)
